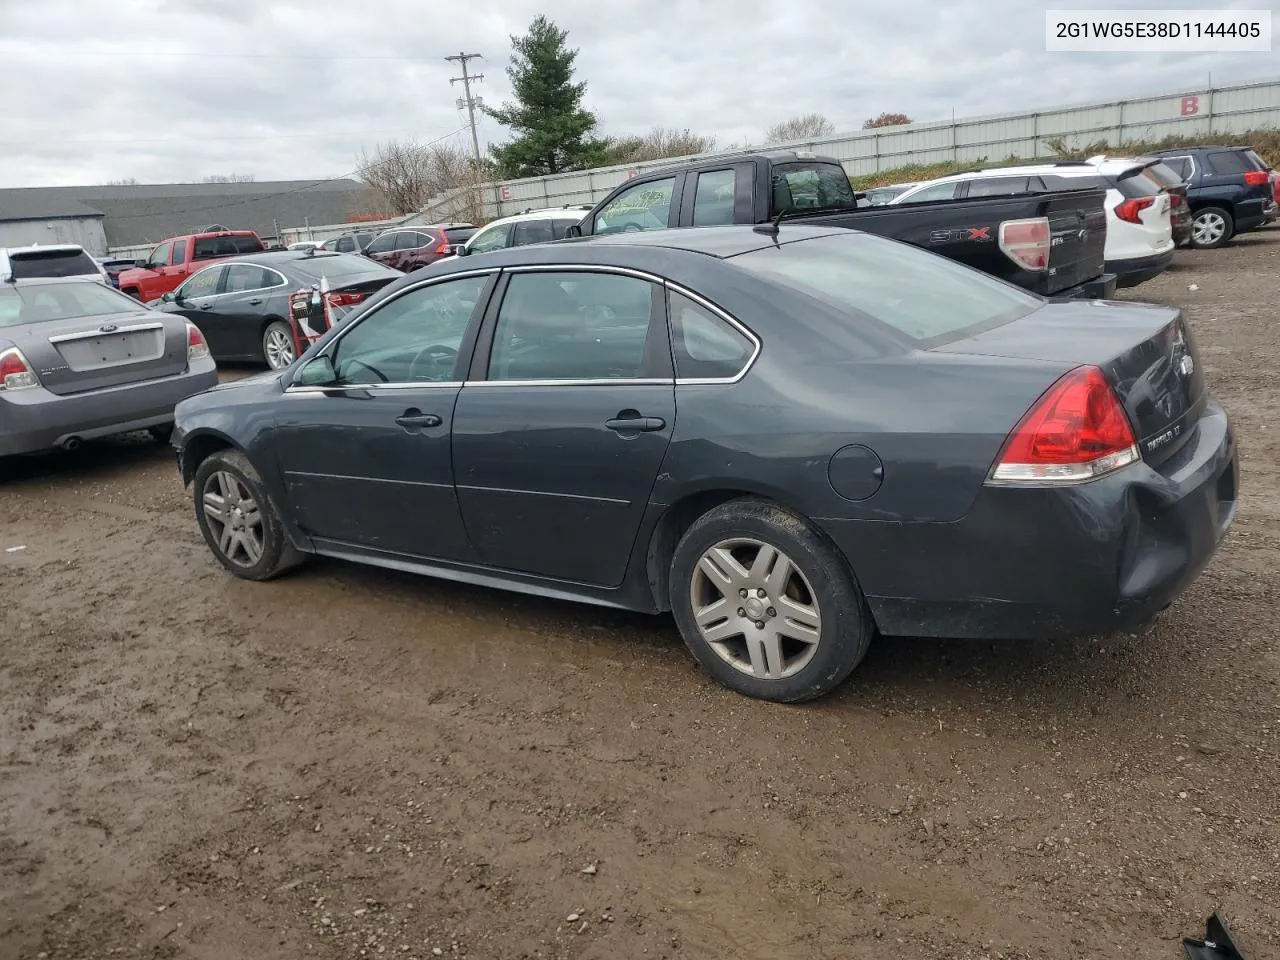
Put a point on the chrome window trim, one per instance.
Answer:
(697, 298)
(602, 382)
(284, 281)
(375, 387)
(127, 328)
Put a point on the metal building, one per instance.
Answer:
(29, 218)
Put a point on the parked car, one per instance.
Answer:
(1051, 243)
(519, 229)
(243, 306)
(305, 245)
(49, 260)
(408, 248)
(114, 266)
(171, 262)
(879, 196)
(80, 360)
(349, 242)
(928, 451)
(1229, 190)
(1139, 235)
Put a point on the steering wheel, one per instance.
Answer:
(382, 378)
(437, 354)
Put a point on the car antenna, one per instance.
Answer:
(771, 228)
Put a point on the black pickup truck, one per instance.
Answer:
(1050, 243)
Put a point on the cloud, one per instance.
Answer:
(170, 90)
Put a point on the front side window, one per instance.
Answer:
(573, 326)
(411, 241)
(160, 256)
(490, 238)
(414, 338)
(202, 284)
(938, 191)
(713, 199)
(704, 346)
(927, 298)
(999, 186)
(646, 206)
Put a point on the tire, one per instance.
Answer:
(228, 474)
(820, 591)
(161, 433)
(278, 348)
(1211, 227)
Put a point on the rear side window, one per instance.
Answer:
(927, 298)
(209, 247)
(999, 186)
(704, 346)
(713, 198)
(938, 191)
(52, 263)
(1227, 163)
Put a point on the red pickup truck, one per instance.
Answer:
(176, 259)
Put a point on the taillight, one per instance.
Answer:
(337, 298)
(443, 248)
(1275, 185)
(1027, 242)
(1255, 178)
(197, 347)
(1130, 209)
(1076, 431)
(15, 372)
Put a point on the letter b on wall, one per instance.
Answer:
(1190, 106)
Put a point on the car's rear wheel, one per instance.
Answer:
(1211, 227)
(277, 345)
(766, 604)
(238, 521)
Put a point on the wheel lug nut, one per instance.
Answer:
(743, 593)
(761, 594)
(759, 624)
(772, 612)
(741, 612)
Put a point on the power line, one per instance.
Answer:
(471, 102)
(232, 56)
(273, 136)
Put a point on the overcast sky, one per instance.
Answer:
(169, 90)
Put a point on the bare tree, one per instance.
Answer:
(126, 182)
(410, 177)
(807, 127)
(658, 144)
(886, 120)
(229, 178)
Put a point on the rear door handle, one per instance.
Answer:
(408, 419)
(255, 301)
(205, 306)
(636, 424)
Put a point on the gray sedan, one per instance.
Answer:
(80, 360)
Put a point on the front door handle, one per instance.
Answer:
(255, 301)
(205, 306)
(412, 418)
(636, 424)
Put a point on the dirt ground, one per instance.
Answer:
(351, 763)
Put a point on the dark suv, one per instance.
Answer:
(1229, 190)
(408, 248)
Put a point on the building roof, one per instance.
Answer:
(148, 213)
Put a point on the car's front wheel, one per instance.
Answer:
(1211, 227)
(766, 604)
(277, 345)
(238, 521)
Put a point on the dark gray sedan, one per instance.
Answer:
(790, 441)
(81, 360)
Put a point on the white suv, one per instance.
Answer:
(49, 260)
(521, 229)
(1139, 242)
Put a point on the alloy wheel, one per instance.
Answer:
(278, 346)
(234, 518)
(755, 609)
(1208, 228)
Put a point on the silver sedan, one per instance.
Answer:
(79, 360)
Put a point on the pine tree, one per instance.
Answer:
(552, 132)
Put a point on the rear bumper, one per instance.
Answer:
(1131, 272)
(1054, 561)
(1102, 287)
(36, 419)
(1251, 214)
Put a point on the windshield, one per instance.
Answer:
(810, 186)
(61, 301)
(926, 297)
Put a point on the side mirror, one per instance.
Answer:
(574, 230)
(141, 264)
(460, 250)
(316, 373)
(171, 297)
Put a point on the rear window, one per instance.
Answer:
(209, 247)
(61, 301)
(1162, 174)
(51, 263)
(340, 265)
(928, 299)
(1137, 185)
(808, 186)
(459, 234)
(1258, 162)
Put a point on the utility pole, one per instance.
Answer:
(470, 101)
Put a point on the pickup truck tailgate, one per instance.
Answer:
(1078, 231)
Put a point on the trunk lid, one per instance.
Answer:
(1146, 352)
(1078, 235)
(92, 353)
